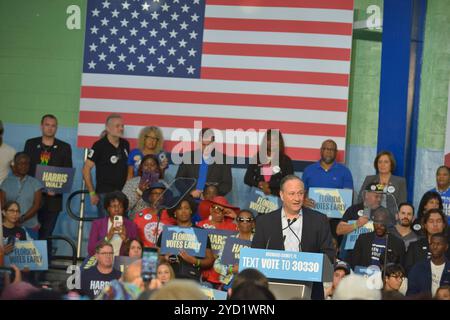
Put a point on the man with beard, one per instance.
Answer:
(405, 218)
(327, 173)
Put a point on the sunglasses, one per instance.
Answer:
(218, 208)
(245, 219)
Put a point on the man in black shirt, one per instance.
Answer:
(109, 156)
(46, 150)
(94, 279)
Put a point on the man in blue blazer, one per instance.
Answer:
(294, 227)
(428, 275)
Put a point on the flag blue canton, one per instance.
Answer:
(147, 38)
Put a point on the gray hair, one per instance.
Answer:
(111, 117)
(287, 178)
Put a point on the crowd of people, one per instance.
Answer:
(380, 233)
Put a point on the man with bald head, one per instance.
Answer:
(294, 227)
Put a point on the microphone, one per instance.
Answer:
(268, 241)
(290, 222)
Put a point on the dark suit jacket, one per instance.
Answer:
(362, 252)
(419, 279)
(253, 175)
(217, 173)
(316, 235)
(417, 251)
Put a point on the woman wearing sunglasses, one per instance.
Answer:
(246, 225)
(221, 215)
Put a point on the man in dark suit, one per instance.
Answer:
(207, 166)
(294, 227)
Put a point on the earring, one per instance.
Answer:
(175, 215)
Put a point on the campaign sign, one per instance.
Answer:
(260, 203)
(217, 238)
(287, 265)
(30, 255)
(232, 250)
(191, 240)
(55, 179)
(122, 262)
(351, 237)
(213, 294)
(332, 202)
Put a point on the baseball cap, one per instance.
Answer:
(342, 265)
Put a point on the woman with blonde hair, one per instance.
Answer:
(150, 142)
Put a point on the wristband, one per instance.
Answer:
(92, 193)
(355, 226)
(197, 263)
(138, 191)
(230, 269)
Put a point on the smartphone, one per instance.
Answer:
(11, 240)
(8, 272)
(150, 177)
(149, 263)
(118, 221)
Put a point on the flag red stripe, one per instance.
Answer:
(173, 121)
(211, 98)
(330, 79)
(265, 50)
(305, 154)
(266, 25)
(323, 4)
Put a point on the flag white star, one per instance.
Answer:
(153, 32)
(106, 4)
(192, 52)
(196, 1)
(190, 70)
(154, 15)
(112, 48)
(132, 49)
(162, 42)
(176, 1)
(115, 13)
(103, 39)
(184, 25)
(111, 65)
(165, 7)
(182, 43)
(113, 30)
(133, 32)
(125, 5)
(170, 69)
(124, 22)
(131, 66)
(164, 25)
(174, 16)
(172, 51)
(152, 50)
(134, 14)
(184, 8)
(173, 33)
(142, 41)
(93, 47)
(161, 59)
(123, 40)
(181, 60)
(193, 34)
(144, 24)
(95, 12)
(104, 21)
(92, 64)
(195, 17)
(141, 58)
(102, 57)
(94, 29)
(121, 57)
(145, 6)
(150, 68)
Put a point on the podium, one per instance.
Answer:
(291, 274)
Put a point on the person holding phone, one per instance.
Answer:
(149, 173)
(11, 232)
(115, 229)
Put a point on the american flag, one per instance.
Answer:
(232, 64)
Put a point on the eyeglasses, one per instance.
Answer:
(218, 208)
(106, 253)
(329, 149)
(245, 220)
(152, 137)
(13, 210)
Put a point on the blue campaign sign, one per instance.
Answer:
(287, 265)
(30, 255)
(260, 203)
(55, 179)
(231, 251)
(218, 238)
(191, 240)
(350, 238)
(332, 202)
